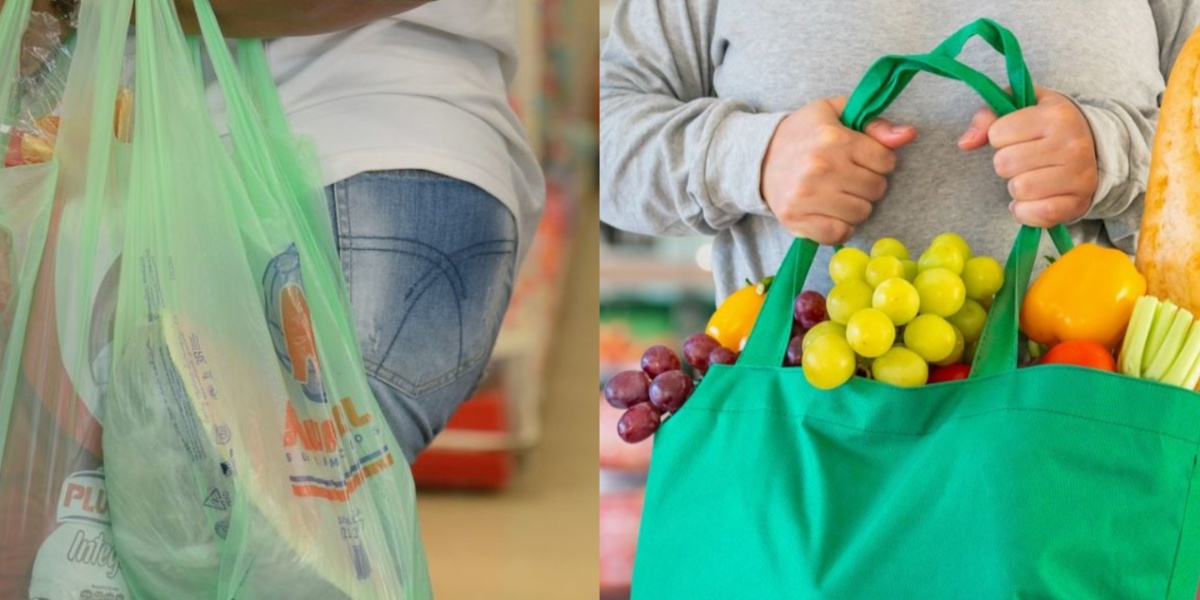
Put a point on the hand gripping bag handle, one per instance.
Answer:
(882, 84)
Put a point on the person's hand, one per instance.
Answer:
(1047, 154)
(821, 178)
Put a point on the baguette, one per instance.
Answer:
(1168, 253)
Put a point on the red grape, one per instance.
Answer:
(722, 356)
(795, 352)
(809, 309)
(670, 390)
(660, 359)
(797, 329)
(627, 388)
(639, 423)
(697, 348)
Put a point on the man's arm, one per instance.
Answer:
(287, 18)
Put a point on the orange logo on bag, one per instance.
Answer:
(297, 331)
(318, 436)
(322, 443)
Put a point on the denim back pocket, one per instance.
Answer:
(429, 262)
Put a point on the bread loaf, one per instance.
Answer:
(1168, 253)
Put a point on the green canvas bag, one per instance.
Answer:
(1045, 482)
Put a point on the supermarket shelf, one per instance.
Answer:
(621, 272)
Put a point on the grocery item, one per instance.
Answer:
(829, 362)
(1084, 353)
(658, 360)
(1087, 294)
(1162, 344)
(670, 390)
(697, 348)
(731, 323)
(243, 456)
(901, 367)
(627, 388)
(946, 373)
(639, 423)
(1168, 249)
(889, 247)
(1009, 484)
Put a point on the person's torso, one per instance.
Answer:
(779, 55)
(427, 89)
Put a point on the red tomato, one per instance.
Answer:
(949, 373)
(1083, 353)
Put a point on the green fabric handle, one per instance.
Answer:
(882, 84)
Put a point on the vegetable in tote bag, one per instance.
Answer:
(1047, 482)
(241, 454)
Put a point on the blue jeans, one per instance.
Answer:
(430, 263)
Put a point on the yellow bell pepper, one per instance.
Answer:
(1087, 294)
(730, 325)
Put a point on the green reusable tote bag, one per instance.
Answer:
(244, 455)
(1045, 482)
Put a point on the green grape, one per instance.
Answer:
(969, 320)
(901, 367)
(848, 264)
(942, 256)
(847, 298)
(931, 337)
(911, 268)
(955, 240)
(829, 362)
(983, 277)
(822, 328)
(882, 268)
(889, 247)
(870, 333)
(957, 353)
(898, 299)
(942, 292)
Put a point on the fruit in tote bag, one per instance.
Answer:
(730, 325)
(853, 331)
(874, 295)
(697, 348)
(809, 309)
(1087, 294)
(901, 367)
(949, 373)
(639, 423)
(829, 362)
(658, 360)
(628, 388)
(1083, 353)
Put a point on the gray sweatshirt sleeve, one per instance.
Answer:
(1124, 133)
(674, 159)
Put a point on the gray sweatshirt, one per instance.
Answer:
(692, 90)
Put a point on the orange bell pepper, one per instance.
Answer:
(1087, 294)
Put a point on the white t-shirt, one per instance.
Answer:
(427, 89)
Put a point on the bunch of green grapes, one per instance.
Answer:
(892, 317)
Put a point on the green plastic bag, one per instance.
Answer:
(60, 224)
(241, 454)
(1046, 482)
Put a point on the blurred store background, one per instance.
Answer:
(506, 498)
(652, 291)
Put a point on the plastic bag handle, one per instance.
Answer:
(882, 84)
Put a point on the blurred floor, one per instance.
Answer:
(537, 540)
